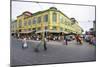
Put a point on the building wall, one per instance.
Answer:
(13, 26)
(31, 25)
(62, 23)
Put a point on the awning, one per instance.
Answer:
(26, 31)
(52, 31)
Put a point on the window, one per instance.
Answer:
(34, 29)
(54, 17)
(46, 27)
(65, 29)
(25, 30)
(29, 29)
(46, 18)
(34, 20)
(68, 30)
(54, 27)
(20, 30)
(61, 28)
(38, 28)
(29, 22)
(61, 19)
(20, 23)
(25, 23)
(65, 22)
(39, 19)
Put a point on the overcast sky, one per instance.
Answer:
(83, 14)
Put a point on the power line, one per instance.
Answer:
(39, 5)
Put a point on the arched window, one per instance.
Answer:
(20, 23)
(46, 18)
(29, 22)
(61, 19)
(34, 20)
(54, 18)
(39, 20)
(25, 23)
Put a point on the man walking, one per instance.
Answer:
(66, 41)
(45, 47)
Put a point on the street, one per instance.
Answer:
(56, 52)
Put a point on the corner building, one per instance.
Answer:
(51, 21)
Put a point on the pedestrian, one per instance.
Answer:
(45, 47)
(24, 45)
(78, 39)
(54, 38)
(59, 38)
(66, 40)
(93, 40)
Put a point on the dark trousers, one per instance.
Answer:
(45, 48)
(66, 42)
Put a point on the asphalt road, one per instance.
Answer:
(56, 52)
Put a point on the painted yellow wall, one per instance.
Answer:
(50, 24)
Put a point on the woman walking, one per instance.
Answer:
(24, 45)
(78, 39)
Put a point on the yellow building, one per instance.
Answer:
(51, 21)
(13, 27)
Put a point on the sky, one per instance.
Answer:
(85, 15)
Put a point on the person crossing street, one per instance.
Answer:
(45, 47)
(24, 45)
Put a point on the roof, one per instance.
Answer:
(40, 12)
(27, 13)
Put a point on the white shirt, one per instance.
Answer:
(24, 40)
(25, 44)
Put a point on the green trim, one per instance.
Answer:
(63, 14)
(37, 13)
